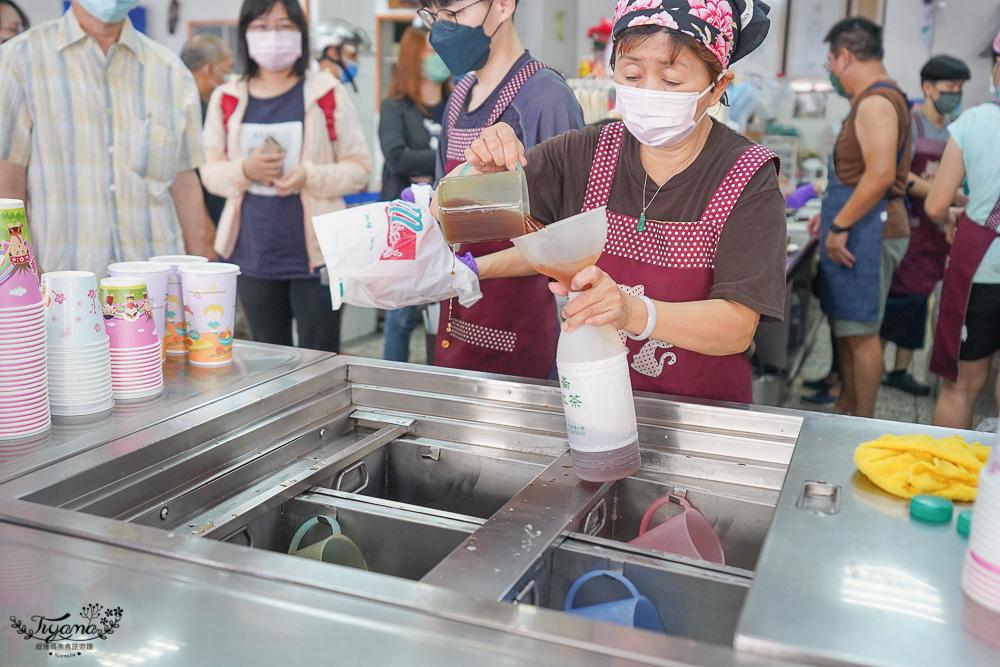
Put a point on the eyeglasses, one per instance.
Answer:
(446, 15)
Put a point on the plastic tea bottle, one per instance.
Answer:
(593, 372)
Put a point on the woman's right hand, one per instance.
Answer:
(496, 149)
(263, 167)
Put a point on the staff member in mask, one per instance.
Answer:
(922, 267)
(283, 144)
(513, 329)
(696, 241)
(968, 330)
(106, 179)
(865, 229)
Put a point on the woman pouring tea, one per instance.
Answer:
(695, 256)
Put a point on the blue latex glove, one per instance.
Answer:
(800, 196)
(469, 261)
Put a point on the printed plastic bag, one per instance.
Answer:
(392, 254)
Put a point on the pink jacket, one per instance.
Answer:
(333, 168)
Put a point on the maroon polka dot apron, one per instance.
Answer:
(923, 265)
(513, 329)
(674, 262)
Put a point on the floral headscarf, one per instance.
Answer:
(710, 22)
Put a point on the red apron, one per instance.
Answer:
(972, 240)
(513, 329)
(923, 265)
(674, 262)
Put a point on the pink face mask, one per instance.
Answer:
(275, 50)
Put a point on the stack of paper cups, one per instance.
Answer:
(136, 364)
(156, 275)
(176, 325)
(78, 348)
(981, 576)
(210, 304)
(24, 396)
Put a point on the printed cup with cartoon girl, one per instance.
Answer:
(19, 288)
(72, 310)
(175, 336)
(209, 297)
(128, 319)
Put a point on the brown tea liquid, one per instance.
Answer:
(565, 271)
(464, 221)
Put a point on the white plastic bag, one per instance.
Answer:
(391, 254)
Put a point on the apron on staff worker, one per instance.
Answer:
(672, 262)
(853, 294)
(513, 329)
(923, 265)
(972, 241)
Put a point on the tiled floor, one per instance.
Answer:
(892, 404)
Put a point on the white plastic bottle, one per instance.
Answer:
(593, 372)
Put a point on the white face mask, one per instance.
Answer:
(658, 117)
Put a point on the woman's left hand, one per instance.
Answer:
(291, 182)
(602, 303)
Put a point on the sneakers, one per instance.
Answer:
(903, 381)
(821, 397)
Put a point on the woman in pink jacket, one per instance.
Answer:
(283, 145)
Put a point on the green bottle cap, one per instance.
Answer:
(964, 522)
(931, 509)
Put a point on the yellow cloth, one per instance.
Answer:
(908, 465)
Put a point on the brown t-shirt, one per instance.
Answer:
(750, 258)
(850, 162)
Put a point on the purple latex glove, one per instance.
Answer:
(407, 195)
(469, 261)
(800, 196)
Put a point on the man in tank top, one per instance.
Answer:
(865, 227)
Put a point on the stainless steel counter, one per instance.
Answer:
(455, 488)
(865, 585)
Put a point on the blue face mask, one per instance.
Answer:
(462, 48)
(108, 11)
(348, 72)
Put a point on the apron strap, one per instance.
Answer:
(728, 193)
(993, 219)
(511, 89)
(918, 122)
(457, 101)
(602, 172)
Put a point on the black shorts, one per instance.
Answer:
(981, 335)
(905, 321)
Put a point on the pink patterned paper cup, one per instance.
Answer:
(127, 313)
(156, 275)
(72, 312)
(210, 304)
(176, 326)
(18, 275)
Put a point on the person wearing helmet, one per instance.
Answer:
(513, 329)
(337, 45)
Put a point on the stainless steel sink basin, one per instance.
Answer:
(468, 480)
(740, 515)
(393, 540)
(692, 602)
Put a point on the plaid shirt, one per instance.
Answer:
(102, 138)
